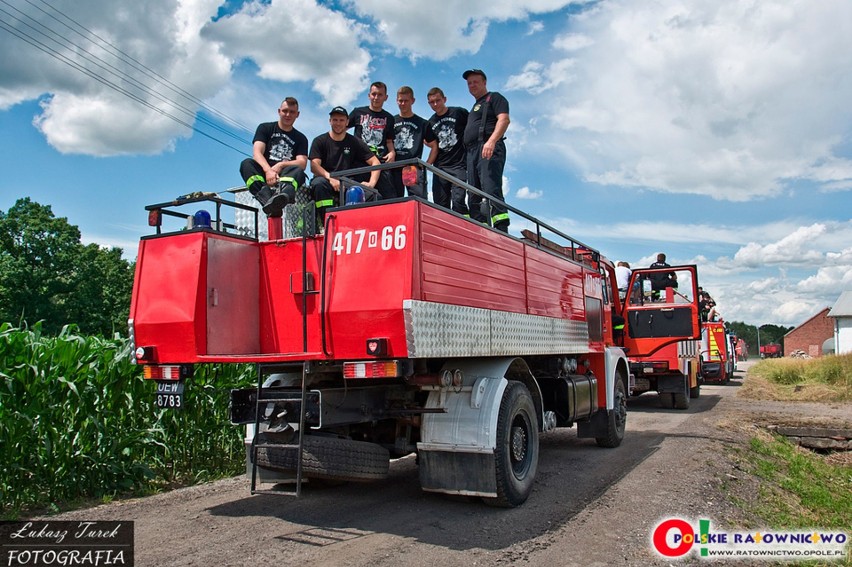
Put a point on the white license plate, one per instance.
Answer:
(169, 395)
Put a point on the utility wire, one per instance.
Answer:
(138, 65)
(27, 38)
(42, 47)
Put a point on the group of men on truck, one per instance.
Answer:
(468, 145)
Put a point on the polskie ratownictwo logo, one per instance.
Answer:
(37, 543)
(675, 538)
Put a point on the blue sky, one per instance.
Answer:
(716, 131)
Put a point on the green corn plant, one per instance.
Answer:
(77, 421)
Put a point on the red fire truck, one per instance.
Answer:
(717, 358)
(673, 370)
(401, 328)
(772, 350)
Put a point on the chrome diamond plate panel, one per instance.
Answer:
(244, 220)
(441, 330)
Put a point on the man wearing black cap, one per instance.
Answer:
(486, 151)
(280, 157)
(338, 150)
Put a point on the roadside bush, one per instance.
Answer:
(77, 420)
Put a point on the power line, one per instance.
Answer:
(138, 65)
(27, 38)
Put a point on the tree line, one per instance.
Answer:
(47, 274)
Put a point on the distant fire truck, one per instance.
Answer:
(717, 353)
(401, 328)
(772, 350)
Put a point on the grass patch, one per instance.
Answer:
(789, 487)
(826, 379)
(800, 489)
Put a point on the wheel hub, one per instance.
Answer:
(519, 444)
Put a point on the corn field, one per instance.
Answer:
(78, 421)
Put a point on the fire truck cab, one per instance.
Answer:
(399, 328)
(672, 367)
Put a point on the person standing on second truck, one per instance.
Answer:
(486, 151)
(408, 142)
(445, 136)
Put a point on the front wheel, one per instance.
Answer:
(516, 454)
(616, 418)
(695, 392)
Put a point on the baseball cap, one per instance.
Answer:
(339, 110)
(469, 72)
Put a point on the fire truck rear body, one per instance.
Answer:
(716, 354)
(403, 328)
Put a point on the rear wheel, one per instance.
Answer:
(667, 400)
(516, 454)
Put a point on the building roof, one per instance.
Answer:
(823, 313)
(843, 307)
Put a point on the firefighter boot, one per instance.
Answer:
(273, 203)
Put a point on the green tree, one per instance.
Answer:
(48, 275)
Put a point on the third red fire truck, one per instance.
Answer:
(400, 328)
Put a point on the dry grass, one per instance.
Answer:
(827, 379)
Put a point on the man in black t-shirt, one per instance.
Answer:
(280, 156)
(445, 137)
(334, 151)
(486, 151)
(661, 280)
(408, 130)
(374, 126)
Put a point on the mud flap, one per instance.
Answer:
(671, 383)
(456, 450)
(595, 427)
(471, 474)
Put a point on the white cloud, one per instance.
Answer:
(297, 40)
(527, 193)
(535, 27)
(728, 99)
(418, 29)
(572, 42)
(179, 41)
(86, 113)
(536, 78)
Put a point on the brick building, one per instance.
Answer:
(810, 335)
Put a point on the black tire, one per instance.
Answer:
(695, 392)
(616, 419)
(516, 454)
(680, 400)
(667, 400)
(328, 458)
